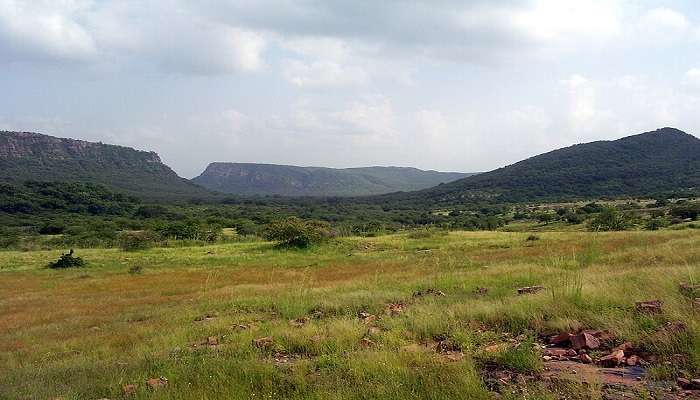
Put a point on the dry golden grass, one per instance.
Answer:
(84, 333)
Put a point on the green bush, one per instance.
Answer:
(295, 232)
(67, 261)
(136, 240)
(610, 219)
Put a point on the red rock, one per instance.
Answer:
(555, 352)
(585, 358)
(571, 353)
(649, 306)
(560, 338)
(695, 384)
(632, 360)
(613, 359)
(584, 341)
(530, 289)
(683, 383)
(157, 383)
(263, 342)
(130, 389)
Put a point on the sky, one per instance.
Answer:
(448, 85)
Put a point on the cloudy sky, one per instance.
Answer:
(437, 84)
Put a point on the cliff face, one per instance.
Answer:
(33, 156)
(289, 180)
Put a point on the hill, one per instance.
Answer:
(26, 156)
(653, 162)
(287, 180)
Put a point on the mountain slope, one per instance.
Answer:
(663, 160)
(32, 156)
(287, 180)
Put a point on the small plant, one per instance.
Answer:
(67, 261)
(295, 232)
(138, 240)
(532, 238)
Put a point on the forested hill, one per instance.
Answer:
(26, 156)
(663, 160)
(287, 180)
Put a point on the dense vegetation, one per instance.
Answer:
(287, 180)
(665, 160)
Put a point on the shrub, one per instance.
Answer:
(420, 234)
(136, 240)
(656, 223)
(610, 219)
(67, 261)
(532, 238)
(295, 232)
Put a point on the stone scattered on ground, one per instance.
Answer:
(649, 306)
(613, 359)
(394, 309)
(530, 289)
(429, 292)
(299, 322)
(157, 383)
(206, 317)
(689, 289)
(264, 343)
(584, 341)
(366, 317)
(481, 291)
(129, 389)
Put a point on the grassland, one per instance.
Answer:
(85, 333)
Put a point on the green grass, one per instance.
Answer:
(83, 333)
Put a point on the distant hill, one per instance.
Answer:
(660, 161)
(287, 180)
(26, 156)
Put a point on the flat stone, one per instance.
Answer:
(613, 359)
(584, 341)
(649, 306)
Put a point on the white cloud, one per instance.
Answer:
(661, 26)
(692, 77)
(44, 29)
(322, 73)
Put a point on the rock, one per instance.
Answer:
(571, 353)
(546, 358)
(584, 341)
(632, 360)
(481, 291)
(446, 346)
(649, 306)
(560, 339)
(585, 358)
(429, 292)
(367, 343)
(688, 289)
(395, 309)
(683, 383)
(602, 335)
(157, 383)
(263, 342)
(530, 289)
(373, 331)
(299, 322)
(130, 389)
(695, 384)
(212, 341)
(367, 318)
(613, 359)
(555, 352)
